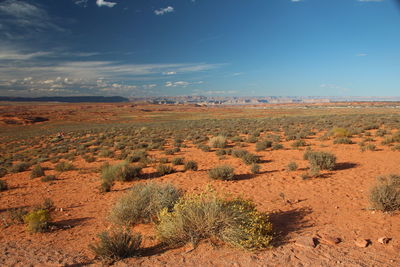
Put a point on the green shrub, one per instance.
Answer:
(3, 185)
(37, 171)
(64, 166)
(218, 142)
(342, 140)
(120, 172)
(37, 220)
(252, 139)
(197, 217)
(177, 161)
(223, 172)
(292, 166)
(117, 245)
(17, 215)
(48, 178)
(255, 168)
(249, 159)
(3, 172)
(385, 195)
(191, 165)
(321, 160)
(163, 169)
(239, 153)
(298, 143)
(19, 167)
(277, 146)
(263, 145)
(143, 202)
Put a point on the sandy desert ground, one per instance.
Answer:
(334, 205)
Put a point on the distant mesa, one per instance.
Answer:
(68, 99)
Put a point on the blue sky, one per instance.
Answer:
(200, 47)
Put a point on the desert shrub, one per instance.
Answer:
(220, 152)
(3, 172)
(169, 152)
(204, 148)
(396, 148)
(223, 172)
(249, 159)
(218, 142)
(191, 165)
(164, 169)
(255, 168)
(89, 159)
(17, 215)
(37, 171)
(143, 202)
(197, 217)
(277, 146)
(106, 153)
(177, 161)
(298, 143)
(63, 166)
(342, 140)
(3, 185)
(252, 139)
(117, 245)
(48, 178)
(239, 153)
(37, 220)
(163, 160)
(340, 132)
(385, 195)
(120, 172)
(263, 145)
(322, 160)
(19, 167)
(292, 166)
(381, 132)
(136, 156)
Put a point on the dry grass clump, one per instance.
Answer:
(64, 166)
(37, 171)
(163, 169)
(260, 146)
(19, 167)
(120, 172)
(385, 195)
(117, 245)
(340, 132)
(191, 165)
(3, 185)
(292, 166)
(197, 217)
(143, 202)
(218, 142)
(222, 172)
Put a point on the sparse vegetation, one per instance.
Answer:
(320, 160)
(117, 245)
(197, 217)
(191, 165)
(385, 195)
(143, 202)
(37, 220)
(223, 172)
(37, 171)
(292, 166)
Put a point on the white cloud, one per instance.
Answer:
(20, 19)
(169, 73)
(361, 55)
(163, 11)
(101, 3)
(82, 3)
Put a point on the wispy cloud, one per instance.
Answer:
(361, 55)
(20, 19)
(82, 3)
(101, 3)
(370, 0)
(162, 11)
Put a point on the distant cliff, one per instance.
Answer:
(68, 99)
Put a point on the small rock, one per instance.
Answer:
(308, 242)
(362, 243)
(61, 209)
(330, 240)
(384, 240)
